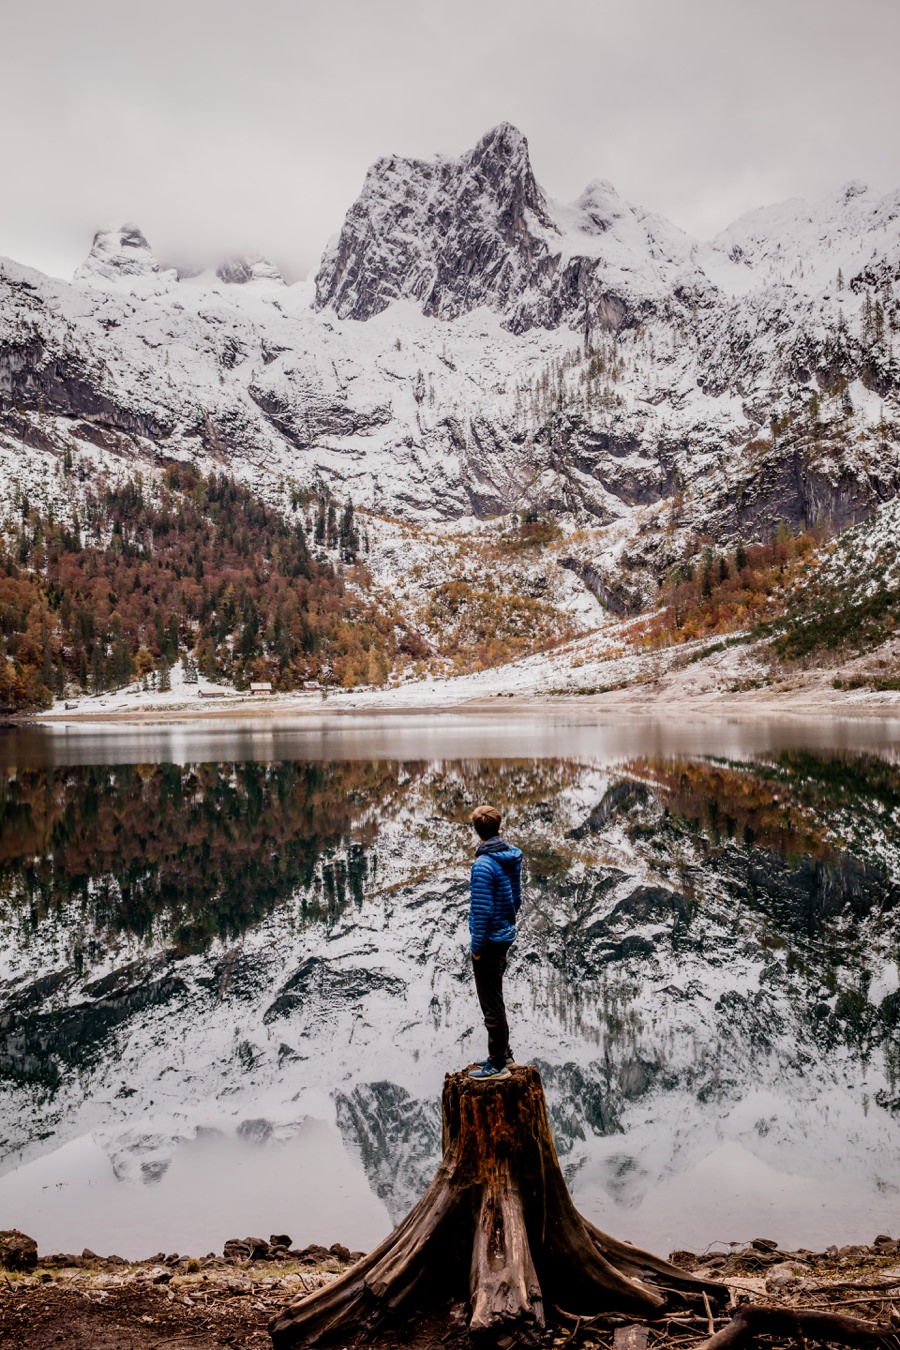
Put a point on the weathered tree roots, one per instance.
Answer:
(801, 1325)
(497, 1226)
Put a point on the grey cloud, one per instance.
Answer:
(225, 126)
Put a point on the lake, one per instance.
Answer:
(235, 971)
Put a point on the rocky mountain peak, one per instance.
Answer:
(121, 254)
(456, 234)
(242, 270)
(598, 202)
(502, 167)
(503, 142)
(855, 188)
(450, 234)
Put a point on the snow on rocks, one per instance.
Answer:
(471, 349)
(242, 271)
(121, 255)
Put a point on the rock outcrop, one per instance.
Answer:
(121, 255)
(471, 347)
(18, 1251)
(240, 271)
(455, 234)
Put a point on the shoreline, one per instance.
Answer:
(729, 679)
(89, 1302)
(797, 705)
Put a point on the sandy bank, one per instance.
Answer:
(694, 681)
(801, 702)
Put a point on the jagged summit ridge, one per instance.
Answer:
(448, 233)
(454, 234)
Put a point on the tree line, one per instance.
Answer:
(200, 569)
(725, 590)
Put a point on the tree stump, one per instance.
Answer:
(498, 1227)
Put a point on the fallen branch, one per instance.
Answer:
(756, 1319)
(709, 1317)
(599, 1319)
(847, 1302)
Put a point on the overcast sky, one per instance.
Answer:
(227, 125)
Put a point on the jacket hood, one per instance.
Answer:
(500, 851)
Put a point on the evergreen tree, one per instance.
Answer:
(348, 536)
(98, 674)
(320, 522)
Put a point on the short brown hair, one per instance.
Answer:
(486, 820)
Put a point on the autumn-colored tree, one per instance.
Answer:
(731, 590)
(198, 568)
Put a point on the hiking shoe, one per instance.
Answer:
(489, 1070)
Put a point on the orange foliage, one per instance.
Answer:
(203, 568)
(724, 592)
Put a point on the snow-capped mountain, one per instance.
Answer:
(455, 234)
(806, 244)
(470, 347)
(121, 256)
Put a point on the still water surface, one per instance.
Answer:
(235, 972)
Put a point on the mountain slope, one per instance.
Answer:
(472, 348)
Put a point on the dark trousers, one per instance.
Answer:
(488, 971)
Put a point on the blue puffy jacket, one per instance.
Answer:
(496, 893)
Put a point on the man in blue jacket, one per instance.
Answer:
(495, 897)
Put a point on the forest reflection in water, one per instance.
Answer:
(706, 931)
(192, 852)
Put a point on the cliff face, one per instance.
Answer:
(471, 347)
(448, 234)
(453, 235)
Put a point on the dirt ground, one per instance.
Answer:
(212, 1303)
(116, 1306)
(126, 1319)
(126, 1309)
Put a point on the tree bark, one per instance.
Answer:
(798, 1324)
(497, 1226)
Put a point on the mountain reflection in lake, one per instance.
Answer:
(258, 970)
